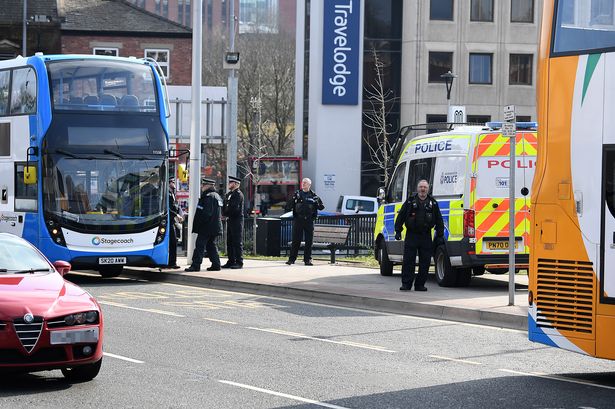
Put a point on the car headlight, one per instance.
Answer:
(81, 318)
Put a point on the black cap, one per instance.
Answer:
(234, 179)
(207, 181)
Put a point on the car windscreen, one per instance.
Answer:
(17, 256)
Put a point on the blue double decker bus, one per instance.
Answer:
(84, 159)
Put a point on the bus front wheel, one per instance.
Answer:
(110, 271)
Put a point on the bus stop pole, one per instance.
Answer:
(195, 127)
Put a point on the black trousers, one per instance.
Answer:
(205, 242)
(172, 246)
(302, 227)
(234, 240)
(421, 243)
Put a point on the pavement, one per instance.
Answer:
(485, 301)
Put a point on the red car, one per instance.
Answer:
(46, 322)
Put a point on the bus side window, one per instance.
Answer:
(23, 91)
(420, 169)
(5, 139)
(26, 196)
(396, 187)
(5, 79)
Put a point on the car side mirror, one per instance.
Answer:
(62, 267)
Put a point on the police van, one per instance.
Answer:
(467, 167)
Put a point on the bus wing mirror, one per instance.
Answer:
(182, 173)
(29, 175)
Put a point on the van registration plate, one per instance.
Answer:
(501, 244)
(112, 260)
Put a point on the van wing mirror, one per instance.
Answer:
(382, 194)
(29, 175)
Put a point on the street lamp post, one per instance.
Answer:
(448, 79)
(257, 107)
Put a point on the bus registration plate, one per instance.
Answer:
(112, 260)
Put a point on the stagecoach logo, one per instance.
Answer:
(28, 318)
(110, 242)
(5, 218)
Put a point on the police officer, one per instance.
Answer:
(233, 211)
(176, 216)
(419, 213)
(305, 205)
(208, 225)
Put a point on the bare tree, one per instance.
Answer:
(378, 137)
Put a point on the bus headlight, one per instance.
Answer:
(55, 232)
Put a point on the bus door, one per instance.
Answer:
(491, 192)
(607, 273)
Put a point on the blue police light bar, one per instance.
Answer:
(520, 125)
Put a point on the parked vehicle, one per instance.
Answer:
(357, 205)
(46, 322)
(467, 168)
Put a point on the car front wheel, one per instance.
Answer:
(82, 373)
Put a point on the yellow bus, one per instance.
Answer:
(572, 251)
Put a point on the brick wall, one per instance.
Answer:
(180, 51)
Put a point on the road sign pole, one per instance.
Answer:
(509, 130)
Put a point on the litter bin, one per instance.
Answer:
(268, 236)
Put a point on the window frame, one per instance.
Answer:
(397, 173)
(452, 11)
(413, 180)
(166, 64)
(19, 200)
(114, 49)
(439, 80)
(490, 55)
(532, 8)
(531, 69)
(479, 19)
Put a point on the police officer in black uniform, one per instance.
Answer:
(233, 211)
(420, 213)
(305, 205)
(208, 225)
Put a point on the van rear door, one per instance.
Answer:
(490, 193)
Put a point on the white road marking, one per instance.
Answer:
(298, 335)
(123, 358)
(222, 321)
(558, 378)
(463, 361)
(375, 312)
(155, 311)
(283, 395)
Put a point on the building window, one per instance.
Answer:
(180, 12)
(520, 69)
(441, 10)
(524, 118)
(481, 10)
(187, 11)
(478, 119)
(158, 6)
(162, 57)
(522, 11)
(439, 63)
(602, 12)
(165, 8)
(111, 52)
(480, 68)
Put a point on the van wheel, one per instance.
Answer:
(446, 276)
(478, 271)
(498, 271)
(386, 266)
(464, 276)
(110, 271)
